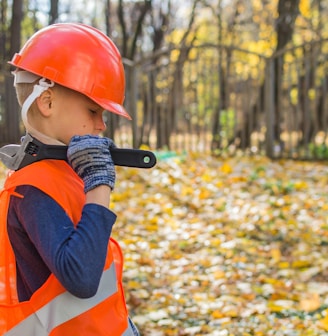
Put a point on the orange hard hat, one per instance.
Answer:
(78, 57)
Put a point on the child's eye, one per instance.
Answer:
(93, 111)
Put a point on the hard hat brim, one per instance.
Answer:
(113, 107)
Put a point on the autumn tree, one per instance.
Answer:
(175, 103)
(11, 43)
(312, 77)
(167, 117)
(143, 35)
(223, 66)
(288, 11)
(53, 12)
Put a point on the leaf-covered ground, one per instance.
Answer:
(225, 246)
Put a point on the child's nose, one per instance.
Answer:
(100, 124)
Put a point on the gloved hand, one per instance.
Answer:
(90, 158)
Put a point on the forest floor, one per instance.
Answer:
(225, 247)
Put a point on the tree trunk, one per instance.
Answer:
(11, 129)
(288, 11)
(53, 13)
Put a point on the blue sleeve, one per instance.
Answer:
(76, 256)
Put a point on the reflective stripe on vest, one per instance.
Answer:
(65, 307)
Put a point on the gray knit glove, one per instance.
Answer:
(90, 158)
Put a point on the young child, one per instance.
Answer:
(60, 270)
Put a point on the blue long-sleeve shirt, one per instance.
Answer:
(45, 241)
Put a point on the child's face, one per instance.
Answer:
(74, 114)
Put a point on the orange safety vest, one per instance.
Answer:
(52, 310)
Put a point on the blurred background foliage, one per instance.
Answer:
(206, 75)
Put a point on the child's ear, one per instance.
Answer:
(44, 102)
